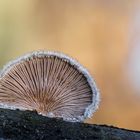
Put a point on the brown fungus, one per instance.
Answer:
(51, 83)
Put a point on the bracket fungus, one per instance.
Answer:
(51, 83)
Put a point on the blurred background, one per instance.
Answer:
(103, 35)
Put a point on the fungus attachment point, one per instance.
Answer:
(51, 83)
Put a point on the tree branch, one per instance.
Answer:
(27, 125)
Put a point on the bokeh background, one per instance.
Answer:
(104, 35)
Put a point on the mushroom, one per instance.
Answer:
(51, 83)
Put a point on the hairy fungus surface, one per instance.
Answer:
(51, 83)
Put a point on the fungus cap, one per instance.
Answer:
(51, 83)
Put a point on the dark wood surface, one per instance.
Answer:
(26, 125)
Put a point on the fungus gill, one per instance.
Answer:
(51, 83)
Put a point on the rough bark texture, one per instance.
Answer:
(26, 125)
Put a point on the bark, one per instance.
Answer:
(27, 125)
